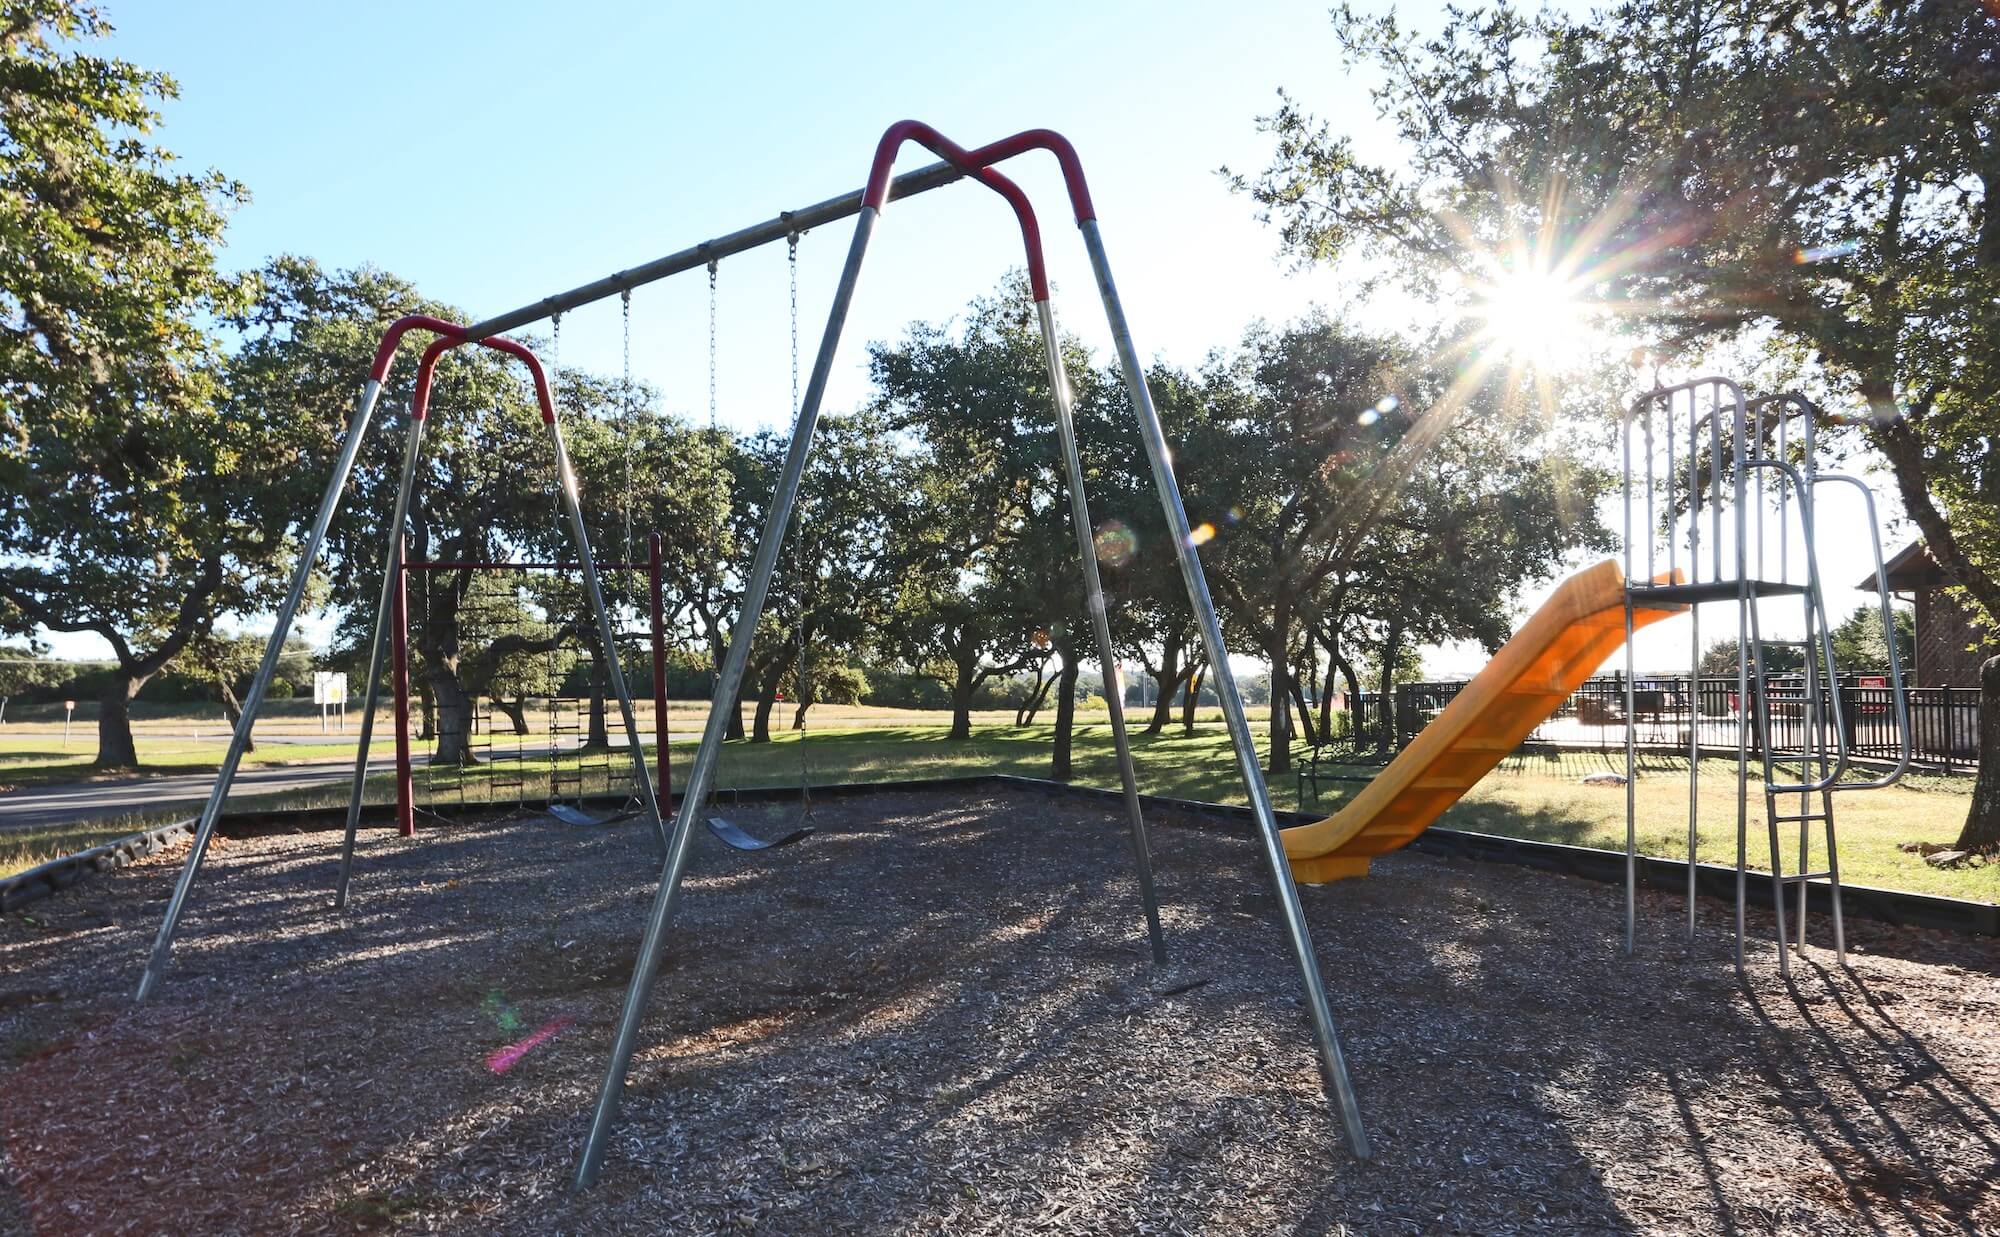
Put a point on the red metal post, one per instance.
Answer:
(399, 671)
(664, 772)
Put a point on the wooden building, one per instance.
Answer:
(1951, 644)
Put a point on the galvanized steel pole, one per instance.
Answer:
(701, 776)
(566, 486)
(308, 555)
(1100, 622)
(1333, 1063)
(789, 223)
(385, 607)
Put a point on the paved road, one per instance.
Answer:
(77, 801)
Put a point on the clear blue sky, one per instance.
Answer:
(497, 153)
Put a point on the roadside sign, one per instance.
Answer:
(330, 694)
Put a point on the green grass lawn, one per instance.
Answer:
(1530, 797)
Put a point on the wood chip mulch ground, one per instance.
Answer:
(937, 1015)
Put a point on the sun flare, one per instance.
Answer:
(1537, 317)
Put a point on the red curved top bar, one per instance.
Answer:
(877, 192)
(453, 337)
(392, 339)
(1057, 145)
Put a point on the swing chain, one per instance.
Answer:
(792, 266)
(716, 525)
(627, 411)
(799, 559)
(712, 268)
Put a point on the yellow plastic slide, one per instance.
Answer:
(1559, 647)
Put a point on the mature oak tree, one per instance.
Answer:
(1820, 175)
(131, 506)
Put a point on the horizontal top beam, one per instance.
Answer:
(786, 224)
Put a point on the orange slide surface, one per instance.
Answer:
(1561, 645)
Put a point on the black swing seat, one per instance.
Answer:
(570, 814)
(732, 835)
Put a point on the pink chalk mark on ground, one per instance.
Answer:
(500, 1060)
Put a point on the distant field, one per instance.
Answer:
(1531, 798)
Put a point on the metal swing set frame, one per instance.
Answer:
(866, 207)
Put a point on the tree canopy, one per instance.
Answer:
(1815, 176)
(131, 505)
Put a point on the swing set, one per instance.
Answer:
(866, 207)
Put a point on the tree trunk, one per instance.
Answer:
(1298, 701)
(961, 707)
(1025, 715)
(515, 711)
(1279, 759)
(1326, 690)
(454, 718)
(232, 709)
(115, 749)
(1357, 721)
(1982, 821)
(1391, 648)
(964, 685)
(767, 699)
(718, 652)
(599, 737)
(427, 710)
(1059, 767)
(1166, 681)
(1192, 699)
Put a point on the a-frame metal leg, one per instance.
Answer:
(566, 486)
(1333, 1063)
(1100, 622)
(392, 565)
(357, 429)
(701, 776)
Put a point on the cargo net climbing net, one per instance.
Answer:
(512, 697)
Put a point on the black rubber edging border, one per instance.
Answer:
(1713, 880)
(1892, 906)
(24, 888)
(44, 879)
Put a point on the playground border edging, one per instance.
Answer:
(1892, 906)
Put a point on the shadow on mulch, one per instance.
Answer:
(937, 1015)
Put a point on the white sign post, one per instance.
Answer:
(69, 711)
(330, 689)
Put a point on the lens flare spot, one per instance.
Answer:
(1826, 253)
(497, 1007)
(1234, 515)
(1116, 543)
(1368, 416)
(1203, 534)
(500, 1060)
(1387, 404)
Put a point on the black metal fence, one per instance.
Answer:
(1944, 721)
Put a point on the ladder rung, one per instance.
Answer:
(1800, 877)
(1786, 820)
